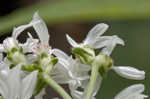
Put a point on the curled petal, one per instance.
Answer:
(129, 72)
(132, 92)
(71, 41)
(101, 42)
(107, 50)
(95, 32)
(41, 29)
(17, 31)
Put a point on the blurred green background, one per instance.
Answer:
(128, 19)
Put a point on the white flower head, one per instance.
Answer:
(132, 92)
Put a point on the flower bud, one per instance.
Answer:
(129, 72)
(132, 92)
(104, 62)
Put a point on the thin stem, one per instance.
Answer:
(55, 86)
(93, 78)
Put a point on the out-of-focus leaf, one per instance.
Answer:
(78, 10)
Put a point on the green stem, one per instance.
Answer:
(93, 78)
(55, 86)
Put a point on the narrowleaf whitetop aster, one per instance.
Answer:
(12, 86)
(107, 44)
(132, 92)
(41, 52)
(101, 62)
(33, 45)
(33, 50)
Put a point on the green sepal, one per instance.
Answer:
(43, 55)
(13, 50)
(85, 54)
(54, 61)
(102, 71)
(12, 66)
(31, 68)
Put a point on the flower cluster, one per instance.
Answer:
(27, 68)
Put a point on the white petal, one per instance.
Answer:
(28, 85)
(104, 41)
(13, 80)
(60, 74)
(1, 57)
(71, 41)
(137, 96)
(77, 94)
(60, 54)
(95, 32)
(111, 45)
(9, 43)
(4, 88)
(2, 48)
(131, 91)
(41, 94)
(129, 72)
(41, 29)
(101, 42)
(17, 31)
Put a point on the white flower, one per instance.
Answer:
(33, 45)
(75, 74)
(95, 40)
(68, 69)
(108, 43)
(13, 87)
(132, 92)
